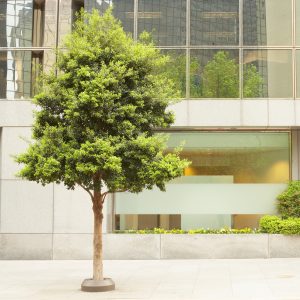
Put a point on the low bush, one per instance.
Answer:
(192, 231)
(274, 224)
(289, 201)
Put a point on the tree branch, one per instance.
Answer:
(108, 192)
(104, 196)
(85, 189)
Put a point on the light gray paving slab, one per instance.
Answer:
(14, 140)
(60, 280)
(255, 112)
(25, 246)
(214, 246)
(72, 211)
(284, 245)
(26, 207)
(16, 113)
(143, 246)
(282, 113)
(72, 246)
(221, 113)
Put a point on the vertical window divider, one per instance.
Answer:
(135, 19)
(188, 31)
(241, 69)
(294, 51)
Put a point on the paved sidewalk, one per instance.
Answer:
(264, 279)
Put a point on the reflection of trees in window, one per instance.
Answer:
(219, 78)
(176, 70)
(252, 82)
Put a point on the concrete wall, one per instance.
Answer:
(149, 246)
(45, 216)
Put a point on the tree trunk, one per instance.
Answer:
(98, 254)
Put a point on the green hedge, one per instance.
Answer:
(289, 201)
(273, 224)
(192, 231)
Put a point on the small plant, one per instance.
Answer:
(274, 224)
(225, 230)
(289, 201)
(270, 224)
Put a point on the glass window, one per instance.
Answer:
(215, 22)
(16, 23)
(22, 23)
(298, 72)
(233, 178)
(18, 70)
(267, 74)
(176, 69)
(297, 22)
(122, 10)
(238, 157)
(267, 22)
(214, 74)
(166, 20)
(186, 221)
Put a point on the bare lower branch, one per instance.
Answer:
(85, 189)
(104, 196)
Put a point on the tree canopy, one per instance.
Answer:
(219, 78)
(98, 111)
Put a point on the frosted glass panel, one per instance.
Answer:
(202, 199)
(234, 157)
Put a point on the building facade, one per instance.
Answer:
(237, 65)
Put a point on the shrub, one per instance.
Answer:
(270, 224)
(273, 224)
(289, 201)
(191, 231)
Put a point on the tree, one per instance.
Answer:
(253, 82)
(220, 79)
(96, 119)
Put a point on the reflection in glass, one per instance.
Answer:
(186, 222)
(176, 69)
(271, 71)
(17, 77)
(267, 22)
(122, 10)
(247, 157)
(166, 20)
(298, 72)
(297, 22)
(16, 23)
(214, 74)
(215, 22)
(140, 222)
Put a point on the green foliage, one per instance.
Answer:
(192, 231)
(220, 78)
(252, 82)
(289, 200)
(95, 122)
(274, 224)
(270, 224)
